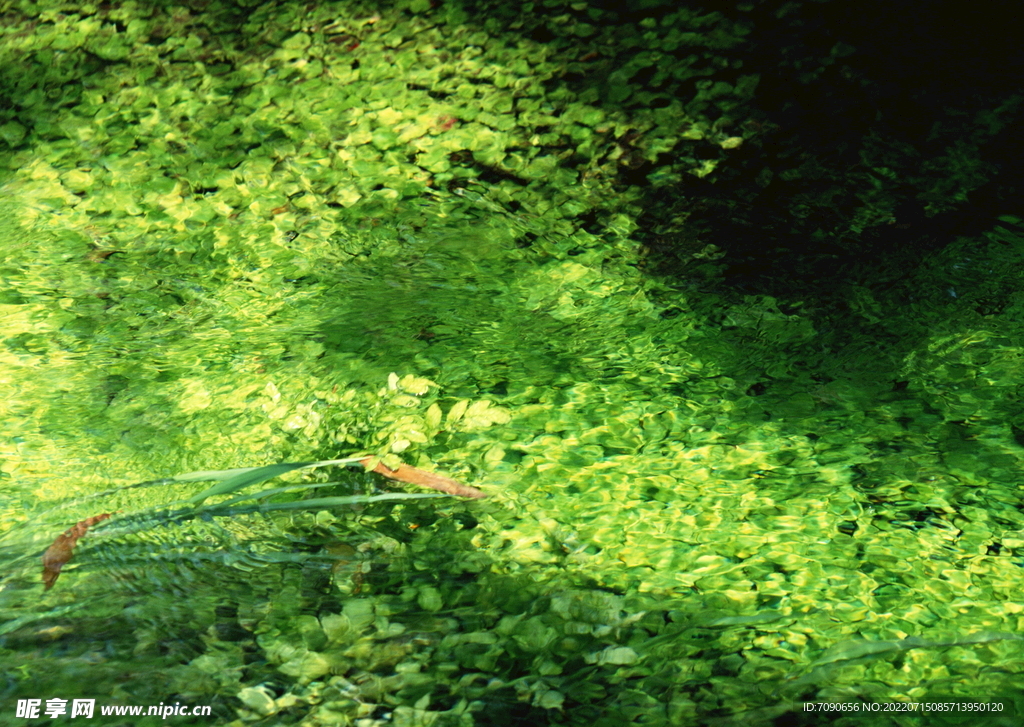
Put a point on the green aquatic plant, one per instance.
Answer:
(288, 498)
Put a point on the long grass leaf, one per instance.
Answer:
(238, 478)
(246, 478)
(277, 491)
(317, 503)
(219, 475)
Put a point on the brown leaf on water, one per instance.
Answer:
(64, 547)
(415, 476)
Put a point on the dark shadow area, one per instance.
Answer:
(908, 67)
(867, 148)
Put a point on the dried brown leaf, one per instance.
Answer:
(64, 547)
(415, 476)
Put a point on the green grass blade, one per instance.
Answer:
(246, 478)
(219, 475)
(276, 491)
(236, 479)
(316, 503)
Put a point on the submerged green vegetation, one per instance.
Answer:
(238, 235)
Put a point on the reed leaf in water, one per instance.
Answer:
(232, 480)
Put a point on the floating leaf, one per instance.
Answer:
(551, 699)
(456, 412)
(617, 655)
(415, 385)
(12, 132)
(412, 475)
(64, 547)
(429, 599)
(433, 416)
(258, 700)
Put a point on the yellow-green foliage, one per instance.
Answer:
(235, 237)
